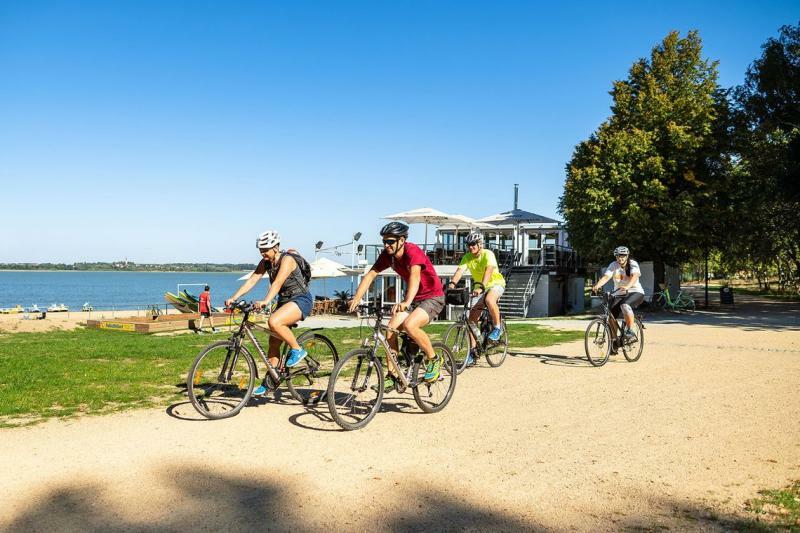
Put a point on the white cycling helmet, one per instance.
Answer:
(621, 250)
(474, 238)
(267, 239)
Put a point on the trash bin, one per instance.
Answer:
(726, 296)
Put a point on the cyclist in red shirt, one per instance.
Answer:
(424, 298)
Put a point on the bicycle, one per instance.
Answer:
(223, 375)
(356, 386)
(599, 338)
(681, 302)
(457, 337)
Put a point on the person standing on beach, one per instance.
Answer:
(204, 306)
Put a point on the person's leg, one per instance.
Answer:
(413, 325)
(396, 322)
(200, 324)
(274, 350)
(475, 315)
(492, 297)
(280, 320)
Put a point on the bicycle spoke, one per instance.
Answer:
(219, 383)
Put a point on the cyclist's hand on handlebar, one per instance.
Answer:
(352, 305)
(477, 291)
(402, 307)
(451, 285)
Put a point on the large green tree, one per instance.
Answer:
(650, 175)
(767, 193)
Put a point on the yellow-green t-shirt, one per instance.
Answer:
(477, 266)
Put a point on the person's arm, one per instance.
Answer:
(366, 281)
(602, 281)
(413, 288)
(457, 276)
(288, 264)
(632, 282)
(246, 287)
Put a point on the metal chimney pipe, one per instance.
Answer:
(516, 196)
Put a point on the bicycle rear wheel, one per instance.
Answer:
(355, 389)
(496, 351)
(221, 380)
(433, 396)
(308, 381)
(597, 342)
(632, 348)
(457, 341)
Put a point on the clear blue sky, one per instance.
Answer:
(176, 131)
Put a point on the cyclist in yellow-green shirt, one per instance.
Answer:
(487, 282)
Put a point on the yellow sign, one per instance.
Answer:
(119, 326)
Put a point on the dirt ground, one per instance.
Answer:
(679, 440)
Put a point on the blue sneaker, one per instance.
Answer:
(470, 359)
(261, 390)
(295, 356)
(494, 336)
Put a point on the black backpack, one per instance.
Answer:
(305, 268)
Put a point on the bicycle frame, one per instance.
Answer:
(379, 339)
(464, 319)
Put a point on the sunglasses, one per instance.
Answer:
(622, 255)
(473, 244)
(389, 242)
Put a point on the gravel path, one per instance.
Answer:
(680, 439)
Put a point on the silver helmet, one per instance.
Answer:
(267, 239)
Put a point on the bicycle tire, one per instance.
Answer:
(445, 385)
(308, 382)
(351, 376)
(597, 342)
(633, 352)
(456, 338)
(497, 358)
(219, 406)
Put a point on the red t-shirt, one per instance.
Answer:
(205, 298)
(429, 284)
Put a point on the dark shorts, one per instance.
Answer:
(304, 301)
(634, 299)
(206, 314)
(432, 306)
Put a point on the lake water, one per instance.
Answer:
(129, 290)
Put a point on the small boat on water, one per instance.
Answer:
(57, 308)
(87, 307)
(11, 310)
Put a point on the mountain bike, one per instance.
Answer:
(356, 386)
(223, 375)
(599, 339)
(457, 337)
(681, 302)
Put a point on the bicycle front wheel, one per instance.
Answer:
(355, 389)
(221, 380)
(496, 351)
(433, 396)
(308, 381)
(457, 341)
(632, 346)
(597, 342)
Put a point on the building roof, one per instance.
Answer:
(517, 216)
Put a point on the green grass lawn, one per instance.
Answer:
(779, 510)
(63, 373)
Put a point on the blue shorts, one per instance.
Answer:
(303, 301)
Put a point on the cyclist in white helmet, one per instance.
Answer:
(487, 282)
(628, 292)
(289, 277)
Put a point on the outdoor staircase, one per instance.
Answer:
(521, 284)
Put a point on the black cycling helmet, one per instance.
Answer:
(398, 229)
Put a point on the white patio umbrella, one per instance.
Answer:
(426, 215)
(324, 268)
